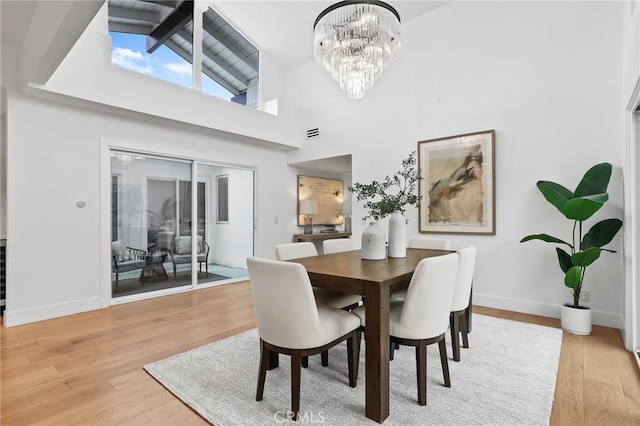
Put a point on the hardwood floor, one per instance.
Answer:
(87, 368)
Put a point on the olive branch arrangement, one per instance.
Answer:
(393, 194)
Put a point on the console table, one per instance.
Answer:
(320, 236)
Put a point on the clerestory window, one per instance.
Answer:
(156, 38)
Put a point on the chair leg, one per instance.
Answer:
(421, 370)
(358, 342)
(464, 331)
(295, 383)
(325, 358)
(274, 360)
(454, 325)
(392, 348)
(262, 372)
(445, 364)
(305, 362)
(175, 275)
(353, 357)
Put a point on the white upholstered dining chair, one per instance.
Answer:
(334, 299)
(338, 245)
(422, 243)
(461, 298)
(429, 243)
(422, 318)
(290, 322)
(288, 251)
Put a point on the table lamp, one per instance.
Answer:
(346, 214)
(308, 208)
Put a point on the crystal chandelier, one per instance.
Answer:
(355, 41)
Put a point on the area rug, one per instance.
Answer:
(506, 377)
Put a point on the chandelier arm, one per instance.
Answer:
(350, 2)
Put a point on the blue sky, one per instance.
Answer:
(129, 51)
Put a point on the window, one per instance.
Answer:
(157, 39)
(223, 199)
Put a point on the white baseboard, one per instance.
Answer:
(40, 313)
(605, 319)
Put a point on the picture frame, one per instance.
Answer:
(328, 195)
(458, 185)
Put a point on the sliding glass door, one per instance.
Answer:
(163, 226)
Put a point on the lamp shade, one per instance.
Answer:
(308, 207)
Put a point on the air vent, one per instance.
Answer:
(313, 133)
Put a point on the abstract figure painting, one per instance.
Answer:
(459, 184)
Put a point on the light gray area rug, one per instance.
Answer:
(506, 377)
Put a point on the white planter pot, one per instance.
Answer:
(374, 243)
(397, 235)
(575, 320)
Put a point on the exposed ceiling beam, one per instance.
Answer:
(168, 3)
(221, 63)
(187, 57)
(130, 28)
(216, 34)
(225, 66)
(176, 21)
(134, 14)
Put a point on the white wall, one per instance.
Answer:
(546, 77)
(58, 254)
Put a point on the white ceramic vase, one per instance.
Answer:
(397, 235)
(374, 242)
(575, 320)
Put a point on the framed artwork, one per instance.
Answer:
(458, 189)
(328, 195)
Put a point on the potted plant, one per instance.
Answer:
(583, 249)
(389, 197)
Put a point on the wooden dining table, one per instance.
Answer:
(347, 272)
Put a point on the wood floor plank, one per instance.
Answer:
(30, 397)
(604, 404)
(626, 367)
(568, 407)
(170, 414)
(599, 358)
(88, 368)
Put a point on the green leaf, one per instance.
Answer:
(544, 237)
(586, 258)
(572, 277)
(595, 180)
(564, 259)
(601, 233)
(583, 208)
(554, 193)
